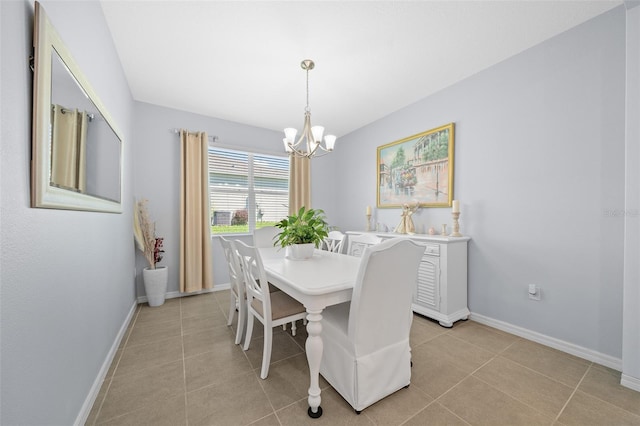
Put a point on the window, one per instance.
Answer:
(246, 190)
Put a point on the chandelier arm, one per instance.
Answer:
(300, 154)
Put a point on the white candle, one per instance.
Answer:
(456, 206)
(368, 210)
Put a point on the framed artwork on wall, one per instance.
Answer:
(417, 169)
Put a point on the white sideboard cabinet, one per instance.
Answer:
(441, 290)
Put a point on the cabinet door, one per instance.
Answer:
(428, 288)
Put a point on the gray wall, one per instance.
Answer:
(157, 174)
(631, 327)
(539, 171)
(66, 277)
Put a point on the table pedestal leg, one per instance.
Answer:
(314, 349)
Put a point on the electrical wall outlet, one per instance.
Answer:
(534, 292)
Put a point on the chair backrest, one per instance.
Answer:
(265, 237)
(255, 278)
(236, 278)
(334, 241)
(357, 243)
(380, 312)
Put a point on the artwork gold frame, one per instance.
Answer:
(417, 169)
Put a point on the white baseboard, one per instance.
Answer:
(174, 294)
(630, 382)
(97, 384)
(561, 345)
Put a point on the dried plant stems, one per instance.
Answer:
(144, 232)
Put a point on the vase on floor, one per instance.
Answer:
(155, 284)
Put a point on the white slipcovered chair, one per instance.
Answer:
(366, 353)
(265, 237)
(237, 299)
(334, 241)
(271, 309)
(357, 243)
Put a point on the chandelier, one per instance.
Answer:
(310, 143)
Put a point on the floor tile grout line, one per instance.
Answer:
(110, 378)
(126, 345)
(260, 382)
(423, 408)
(463, 379)
(522, 366)
(533, 370)
(592, 366)
(433, 402)
(517, 399)
(573, 393)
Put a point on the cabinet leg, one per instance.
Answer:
(446, 324)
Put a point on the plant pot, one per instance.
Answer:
(300, 251)
(155, 284)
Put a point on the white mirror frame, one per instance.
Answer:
(43, 194)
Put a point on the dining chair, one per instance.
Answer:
(334, 241)
(357, 243)
(265, 237)
(271, 309)
(366, 353)
(237, 299)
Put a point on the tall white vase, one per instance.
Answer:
(155, 284)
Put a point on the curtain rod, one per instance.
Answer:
(212, 139)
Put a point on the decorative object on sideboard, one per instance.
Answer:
(368, 214)
(418, 167)
(154, 277)
(444, 230)
(406, 225)
(307, 228)
(455, 213)
(432, 231)
(310, 143)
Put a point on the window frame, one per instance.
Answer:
(251, 187)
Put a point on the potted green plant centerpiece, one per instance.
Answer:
(302, 232)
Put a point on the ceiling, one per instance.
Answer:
(240, 60)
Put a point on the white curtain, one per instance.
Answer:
(196, 272)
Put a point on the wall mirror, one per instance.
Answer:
(76, 159)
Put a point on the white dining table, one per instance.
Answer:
(323, 280)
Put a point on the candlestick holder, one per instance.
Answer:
(368, 228)
(456, 225)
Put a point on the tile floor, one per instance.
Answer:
(178, 365)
